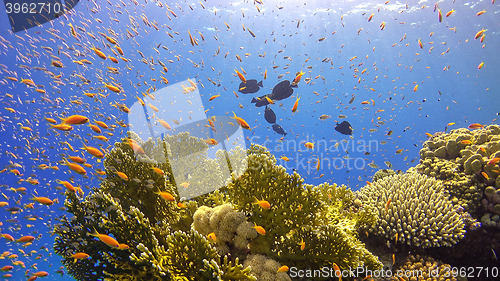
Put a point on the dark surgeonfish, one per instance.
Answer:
(250, 87)
(344, 128)
(270, 115)
(281, 91)
(277, 128)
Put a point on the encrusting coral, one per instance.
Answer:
(465, 160)
(413, 209)
(161, 238)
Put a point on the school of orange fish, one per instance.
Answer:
(57, 124)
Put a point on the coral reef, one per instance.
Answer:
(128, 207)
(139, 204)
(230, 227)
(464, 160)
(265, 268)
(321, 217)
(419, 268)
(413, 209)
(380, 174)
(492, 200)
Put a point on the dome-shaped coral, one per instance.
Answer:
(414, 209)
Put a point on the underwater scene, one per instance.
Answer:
(249, 140)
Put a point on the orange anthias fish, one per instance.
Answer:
(296, 104)
(62, 127)
(213, 97)
(475, 126)
(212, 142)
(309, 145)
(25, 239)
(420, 44)
(75, 167)
(43, 200)
(112, 88)
(242, 78)
(79, 256)
(338, 273)
(259, 229)
(479, 33)
(110, 241)
(164, 124)
(136, 147)
(212, 236)
(98, 52)
(122, 175)
(241, 122)
(158, 171)
(165, 195)
(93, 151)
(298, 77)
(283, 268)
(262, 203)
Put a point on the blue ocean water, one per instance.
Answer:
(355, 71)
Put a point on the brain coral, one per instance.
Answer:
(414, 209)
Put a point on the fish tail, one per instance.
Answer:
(253, 100)
(260, 84)
(62, 119)
(95, 234)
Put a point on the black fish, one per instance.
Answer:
(270, 115)
(344, 128)
(281, 91)
(250, 87)
(277, 128)
(261, 101)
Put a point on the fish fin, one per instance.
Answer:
(260, 84)
(294, 85)
(253, 100)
